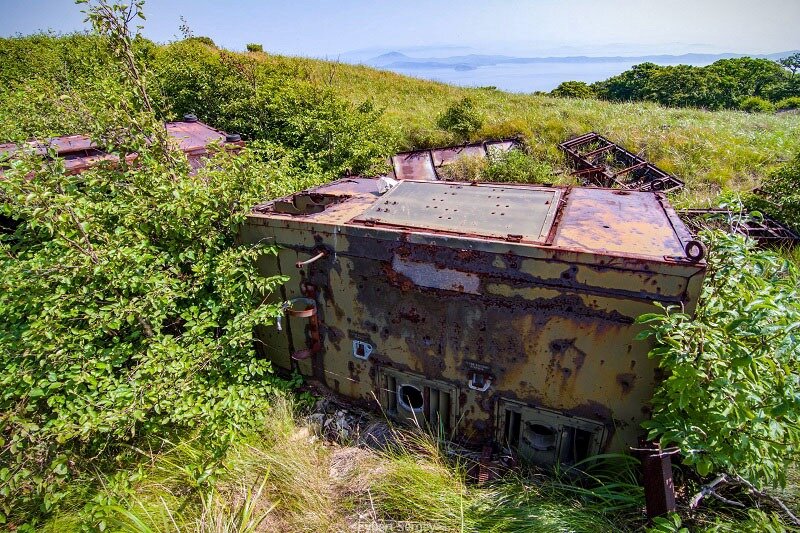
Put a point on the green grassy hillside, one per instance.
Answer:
(711, 151)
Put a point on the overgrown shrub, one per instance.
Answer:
(788, 103)
(127, 310)
(730, 399)
(253, 47)
(573, 89)
(240, 94)
(754, 104)
(461, 118)
(780, 194)
(516, 166)
(721, 85)
(208, 41)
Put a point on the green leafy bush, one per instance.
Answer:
(731, 399)
(208, 41)
(792, 102)
(127, 309)
(516, 166)
(780, 195)
(240, 94)
(461, 118)
(253, 47)
(722, 85)
(754, 104)
(573, 89)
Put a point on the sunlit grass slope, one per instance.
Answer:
(711, 151)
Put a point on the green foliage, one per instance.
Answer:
(128, 312)
(731, 399)
(573, 89)
(629, 85)
(721, 85)
(754, 104)
(791, 63)
(671, 523)
(792, 102)
(239, 94)
(207, 41)
(780, 194)
(462, 118)
(517, 167)
(253, 47)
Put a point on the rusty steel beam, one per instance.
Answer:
(598, 151)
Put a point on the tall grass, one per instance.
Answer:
(711, 151)
(283, 478)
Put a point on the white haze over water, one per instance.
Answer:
(524, 78)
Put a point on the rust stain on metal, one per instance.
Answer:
(523, 342)
(600, 162)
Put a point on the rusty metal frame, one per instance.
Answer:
(430, 156)
(625, 170)
(767, 231)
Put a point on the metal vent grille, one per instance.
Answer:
(437, 409)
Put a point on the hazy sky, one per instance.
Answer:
(558, 27)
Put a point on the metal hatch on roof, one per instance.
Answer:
(485, 210)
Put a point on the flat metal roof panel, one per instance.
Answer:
(193, 135)
(483, 210)
(614, 222)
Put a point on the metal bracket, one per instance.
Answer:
(479, 382)
(362, 350)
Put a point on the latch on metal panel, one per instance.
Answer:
(513, 238)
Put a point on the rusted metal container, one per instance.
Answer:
(79, 152)
(496, 313)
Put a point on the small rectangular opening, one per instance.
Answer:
(547, 437)
(512, 422)
(415, 400)
(80, 154)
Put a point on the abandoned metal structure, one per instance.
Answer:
(427, 164)
(79, 152)
(602, 163)
(767, 231)
(495, 313)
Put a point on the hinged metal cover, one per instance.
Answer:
(484, 210)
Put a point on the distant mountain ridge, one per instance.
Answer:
(400, 61)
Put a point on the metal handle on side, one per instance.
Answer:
(301, 264)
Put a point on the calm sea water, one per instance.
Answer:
(523, 78)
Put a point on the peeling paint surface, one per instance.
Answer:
(428, 275)
(500, 336)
